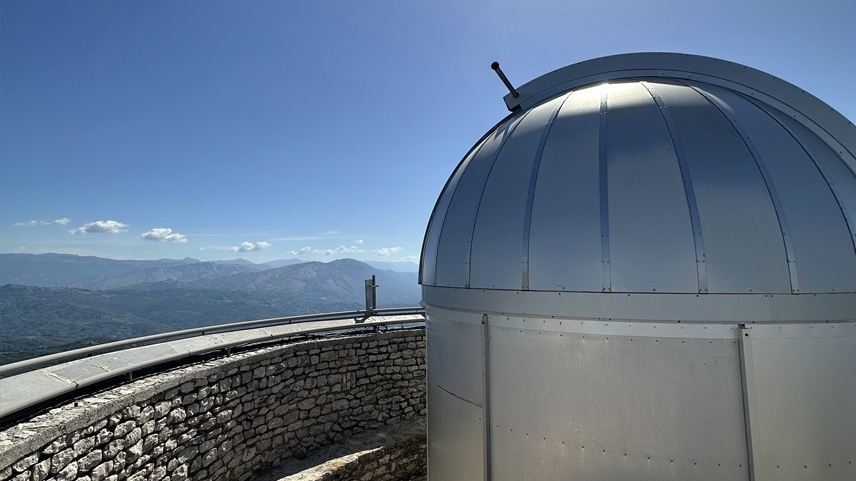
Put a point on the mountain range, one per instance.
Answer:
(54, 302)
(61, 270)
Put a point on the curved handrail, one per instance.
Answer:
(29, 364)
(31, 388)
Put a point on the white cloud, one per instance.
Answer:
(302, 250)
(100, 227)
(249, 246)
(33, 223)
(343, 250)
(330, 232)
(388, 251)
(336, 250)
(164, 234)
(359, 241)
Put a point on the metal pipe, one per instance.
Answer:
(514, 92)
(485, 332)
(744, 344)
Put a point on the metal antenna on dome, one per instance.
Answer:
(495, 67)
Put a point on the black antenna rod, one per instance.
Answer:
(514, 92)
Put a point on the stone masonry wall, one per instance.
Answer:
(228, 418)
(401, 461)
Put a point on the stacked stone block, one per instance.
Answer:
(225, 419)
(403, 460)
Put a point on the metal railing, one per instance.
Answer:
(40, 374)
(11, 369)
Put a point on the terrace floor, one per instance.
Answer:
(323, 462)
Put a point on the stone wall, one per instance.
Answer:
(225, 419)
(403, 460)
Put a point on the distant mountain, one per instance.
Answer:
(242, 262)
(341, 279)
(201, 271)
(283, 262)
(39, 320)
(87, 272)
(395, 266)
(57, 270)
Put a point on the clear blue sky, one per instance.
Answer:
(313, 129)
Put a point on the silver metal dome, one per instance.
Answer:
(652, 181)
(648, 248)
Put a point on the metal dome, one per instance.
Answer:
(646, 271)
(687, 176)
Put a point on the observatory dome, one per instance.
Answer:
(653, 173)
(646, 271)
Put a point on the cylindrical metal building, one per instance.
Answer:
(647, 272)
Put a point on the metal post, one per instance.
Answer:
(486, 396)
(371, 296)
(744, 344)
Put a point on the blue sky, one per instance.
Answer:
(313, 129)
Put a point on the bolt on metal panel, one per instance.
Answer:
(454, 353)
(653, 307)
(800, 391)
(455, 443)
(603, 193)
(618, 406)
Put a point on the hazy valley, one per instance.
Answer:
(54, 302)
